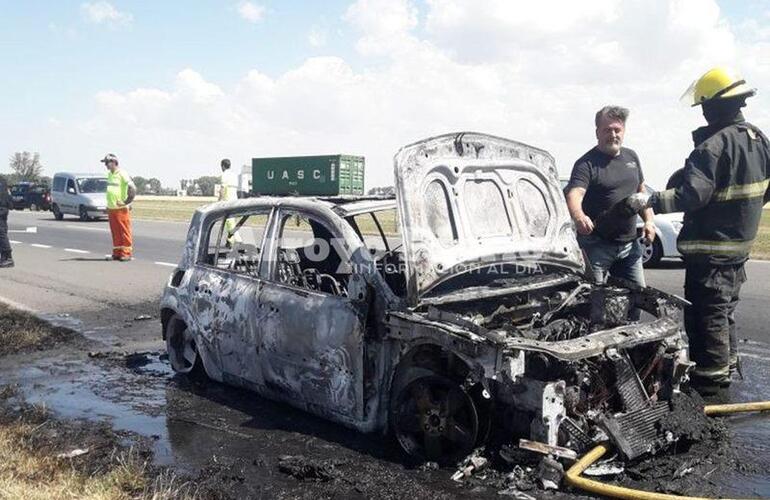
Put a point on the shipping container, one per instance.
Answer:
(329, 175)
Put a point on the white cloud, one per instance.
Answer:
(475, 66)
(317, 37)
(105, 13)
(251, 12)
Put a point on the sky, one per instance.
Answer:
(172, 87)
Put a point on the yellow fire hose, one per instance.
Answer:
(574, 478)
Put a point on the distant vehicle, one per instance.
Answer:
(668, 227)
(30, 195)
(84, 195)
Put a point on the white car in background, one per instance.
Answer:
(668, 227)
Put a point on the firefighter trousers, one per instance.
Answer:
(714, 292)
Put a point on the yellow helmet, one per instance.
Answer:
(716, 83)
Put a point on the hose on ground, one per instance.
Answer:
(574, 478)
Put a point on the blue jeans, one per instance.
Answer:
(621, 260)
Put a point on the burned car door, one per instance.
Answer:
(313, 328)
(225, 290)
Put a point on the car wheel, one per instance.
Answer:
(433, 418)
(83, 213)
(57, 213)
(181, 348)
(652, 253)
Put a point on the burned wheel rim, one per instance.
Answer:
(435, 419)
(180, 344)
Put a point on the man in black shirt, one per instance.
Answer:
(5, 205)
(601, 178)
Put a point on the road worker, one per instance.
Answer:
(228, 191)
(721, 190)
(120, 193)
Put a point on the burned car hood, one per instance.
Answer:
(468, 201)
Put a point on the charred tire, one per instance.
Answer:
(433, 418)
(652, 253)
(83, 213)
(57, 213)
(182, 351)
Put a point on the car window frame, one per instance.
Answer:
(270, 274)
(207, 227)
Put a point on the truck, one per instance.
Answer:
(328, 175)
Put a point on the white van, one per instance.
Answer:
(84, 195)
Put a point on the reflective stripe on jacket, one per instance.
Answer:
(722, 189)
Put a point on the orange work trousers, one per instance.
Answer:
(120, 226)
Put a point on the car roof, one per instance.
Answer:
(71, 174)
(344, 206)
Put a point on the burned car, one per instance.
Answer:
(459, 306)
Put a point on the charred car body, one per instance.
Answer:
(482, 309)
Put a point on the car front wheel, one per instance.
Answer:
(434, 418)
(83, 213)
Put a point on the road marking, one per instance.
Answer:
(167, 264)
(39, 245)
(72, 226)
(14, 242)
(75, 250)
(28, 230)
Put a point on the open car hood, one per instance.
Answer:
(468, 200)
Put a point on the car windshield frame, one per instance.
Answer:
(85, 181)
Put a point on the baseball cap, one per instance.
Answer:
(109, 157)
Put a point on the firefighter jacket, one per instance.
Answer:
(721, 190)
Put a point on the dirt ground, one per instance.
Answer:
(220, 442)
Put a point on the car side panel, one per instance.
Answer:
(313, 350)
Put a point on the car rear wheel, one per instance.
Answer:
(57, 213)
(652, 253)
(83, 213)
(182, 351)
(434, 418)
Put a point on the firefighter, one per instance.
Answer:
(228, 191)
(721, 190)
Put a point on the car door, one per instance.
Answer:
(69, 197)
(224, 289)
(314, 311)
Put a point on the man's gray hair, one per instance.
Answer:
(613, 113)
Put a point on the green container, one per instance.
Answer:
(330, 175)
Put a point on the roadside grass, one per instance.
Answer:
(33, 441)
(31, 465)
(20, 331)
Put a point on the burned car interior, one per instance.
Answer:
(457, 309)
